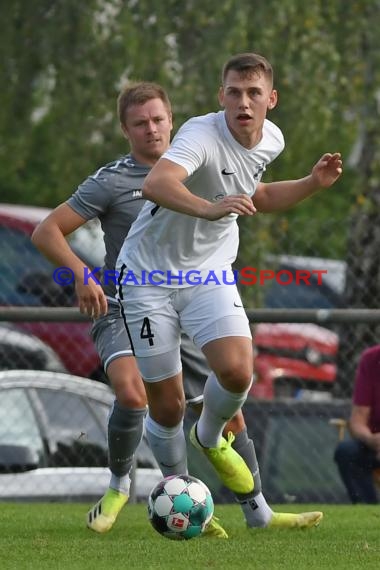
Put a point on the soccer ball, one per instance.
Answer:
(180, 507)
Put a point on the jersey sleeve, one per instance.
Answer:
(189, 147)
(91, 199)
(276, 136)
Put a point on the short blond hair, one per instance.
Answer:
(137, 94)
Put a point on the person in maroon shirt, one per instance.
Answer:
(359, 456)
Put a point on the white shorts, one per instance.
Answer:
(111, 339)
(156, 315)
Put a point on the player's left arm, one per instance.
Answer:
(273, 196)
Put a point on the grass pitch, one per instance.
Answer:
(53, 536)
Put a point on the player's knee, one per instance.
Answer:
(236, 376)
(167, 420)
(134, 398)
(127, 385)
(168, 412)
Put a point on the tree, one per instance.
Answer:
(64, 62)
(363, 247)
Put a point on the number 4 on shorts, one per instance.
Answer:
(146, 331)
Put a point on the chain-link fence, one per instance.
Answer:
(53, 429)
(57, 423)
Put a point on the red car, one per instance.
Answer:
(293, 359)
(26, 279)
(299, 360)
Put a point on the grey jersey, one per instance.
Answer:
(113, 194)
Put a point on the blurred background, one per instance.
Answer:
(63, 64)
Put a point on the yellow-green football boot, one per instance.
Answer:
(230, 467)
(214, 529)
(103, 515)
(293, 520)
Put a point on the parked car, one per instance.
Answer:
(26, 279)
(298, 360)
(293, 360)
(326, 294)
(19, 349)
(53, 439)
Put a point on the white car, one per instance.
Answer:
(53, 439)
(19, 349)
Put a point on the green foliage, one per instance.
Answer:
(46, 536)
(63, 64)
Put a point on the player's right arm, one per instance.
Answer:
(164, 186)
(49, 238)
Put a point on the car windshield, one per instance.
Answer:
(18, 425)
(18, 258)
(26, 276)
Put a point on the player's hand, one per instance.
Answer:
(240, 204)
(327, 170)
(92, 300)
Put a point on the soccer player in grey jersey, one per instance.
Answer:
(113, 194)
(210, 175)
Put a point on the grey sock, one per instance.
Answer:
(257, 512)
(125, 430)
(245, 448)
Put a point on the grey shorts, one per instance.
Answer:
(111, 340)
(110, 336)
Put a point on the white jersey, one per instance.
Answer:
(161, 240)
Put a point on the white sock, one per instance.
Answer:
(120, 484)
(256, 511)
(219, 405)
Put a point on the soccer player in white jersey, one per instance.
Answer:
(113, 194)
(175, 270)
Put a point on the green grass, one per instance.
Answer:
(53, 536)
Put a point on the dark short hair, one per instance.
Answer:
(137, 94)
(247, 63)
